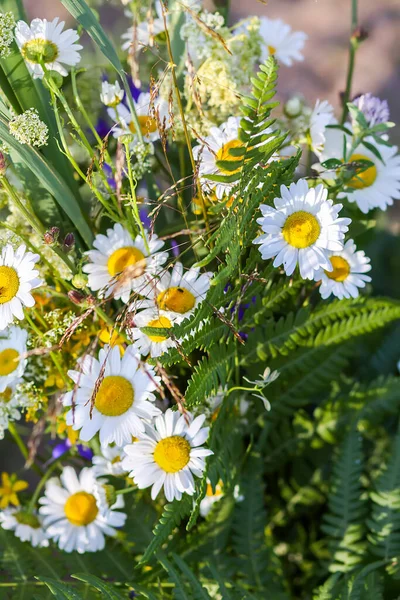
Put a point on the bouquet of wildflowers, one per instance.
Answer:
(199, 334)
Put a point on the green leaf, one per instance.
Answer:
(198, 591)
(332, 163)
(50, 180)
(106, 590)
(60, 590)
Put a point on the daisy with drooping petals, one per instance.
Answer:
(26, 525)
(45, 42)
(321, 116)
(122, 392)
(18, 278)
(168, 454)
(111, 94)
(110, 461)
(120, 265)
(373, 187)
(146, 110)
(178, 293)
(155, 345)
(280, 41)
(71, 512)
(216, 147)
(12, 345)
(303, 228)
(348, 274)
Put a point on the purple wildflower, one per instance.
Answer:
(375, 110)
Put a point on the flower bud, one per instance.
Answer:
(76, 297)
(51, 236)
(79, 281)
(3, 164)
(69, 242)
(293, 107)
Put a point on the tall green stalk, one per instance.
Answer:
(354, 44)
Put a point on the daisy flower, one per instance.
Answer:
(374, 187)
(280, 41)
(168, 454)
(146, 110)
(71, 512)
(348, 274)
(212, 496)
(122, 392)
(27, 526)
(45, 42)
(145, 32)
(216, 147)
(179, 293)
(18, 278)
(302, 229)
(110, 462)
(111, 94)
(12, 345)
(120, 265)
(11, 402)
(321, 116)
(155, 345)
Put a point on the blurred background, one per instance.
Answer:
(326, 22)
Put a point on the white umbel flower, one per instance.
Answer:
(280, 41)
(12, 345)
(111, 94)
(110, 461)
(120, 265)
(7, 24)
(28, 128)
(303, 228)
(155, 345)
(177, 293)
(321, 116)
(18, 278)
(168, 454)
(376, 186)
(122, 392)
(27, 526)
(71, 512)
(216, 147)
(348, 274)
(147, 110)
(46, 42)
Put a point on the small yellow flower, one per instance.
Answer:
(112, 337)
(10, 486)
(72, 435)
(54, 380)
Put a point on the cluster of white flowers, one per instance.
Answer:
(7, 24)
(28, 128)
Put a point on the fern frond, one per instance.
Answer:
(344, 524)
(209, 374)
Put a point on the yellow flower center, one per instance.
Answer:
(9, 284)
(6, 395)
(8, 361)
(177, 299)
(123, 258)
(147, 125)
(116, 460)
(271, 50)
(26, 518)
(301, 229)
(162, 322)
(365, 178)
(81, 509)
(172, 453)
(225, 155)
(39, 51)
(341, 269)
(218, 489)
(115, 396)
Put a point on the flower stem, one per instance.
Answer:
(41, 483)
(22, 447)
(354, 43)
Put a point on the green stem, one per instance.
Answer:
(36, 225)
(22, 447)
(354, 43)
(41, 483)
(126, 490)
(133, 197)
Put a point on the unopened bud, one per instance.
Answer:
(360, 34)
(69, 242)
(79, 281)
(293, 107)
(3, 164)
(76, 297)
(51, 236)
